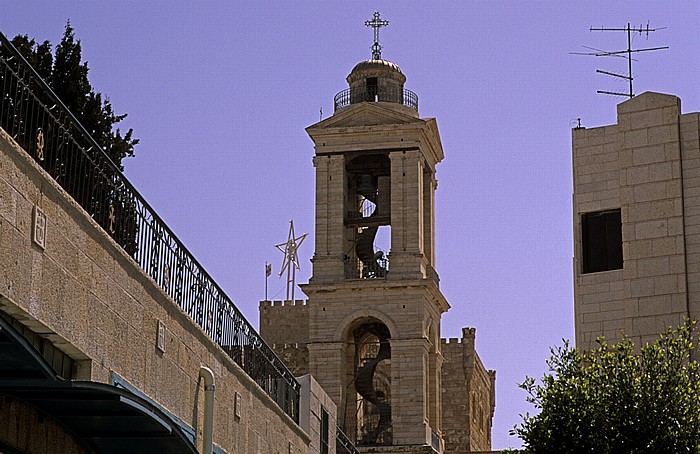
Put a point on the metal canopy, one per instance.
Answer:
(18, 358)
(107, 419)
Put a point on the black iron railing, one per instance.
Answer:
(435, 442)
(343, 445)
(41, 124)
(376, 94)
(376, 269)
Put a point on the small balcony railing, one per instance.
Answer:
(376, 94)
(357, 269)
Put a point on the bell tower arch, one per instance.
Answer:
(374, 301)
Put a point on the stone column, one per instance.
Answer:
(409, 370)
(406, 256)
(328, 263)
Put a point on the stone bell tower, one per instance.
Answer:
(374, 304)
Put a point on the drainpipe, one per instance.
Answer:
(209, 387)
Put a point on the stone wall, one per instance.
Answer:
(468, 396)
(285, 328)
(648, 166)
(24, 429)
(92, 301)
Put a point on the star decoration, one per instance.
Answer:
(289, 249)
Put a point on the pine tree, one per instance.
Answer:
(67, 76)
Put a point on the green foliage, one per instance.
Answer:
(68, 78)
(617, 400)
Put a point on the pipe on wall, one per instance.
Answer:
(209, 387)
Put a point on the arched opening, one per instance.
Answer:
(372, 383)
(368, 216)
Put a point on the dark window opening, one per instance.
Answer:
(601, 240)
(372, 89)
(325, 428)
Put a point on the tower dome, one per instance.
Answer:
(376, 80)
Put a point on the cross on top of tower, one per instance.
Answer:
(376, 23)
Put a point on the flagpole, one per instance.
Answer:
(267, 275)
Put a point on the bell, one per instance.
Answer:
(365, 184)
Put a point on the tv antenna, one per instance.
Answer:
(621, 53)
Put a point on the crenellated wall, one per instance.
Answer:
(285, 327)
(468, 396)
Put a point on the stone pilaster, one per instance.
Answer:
(406, 258)
(330, 231)
(409, 369)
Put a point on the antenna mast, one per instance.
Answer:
(621, 53)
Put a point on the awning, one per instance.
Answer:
(108, 419)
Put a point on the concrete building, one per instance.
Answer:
(370, 330)
(636, 211)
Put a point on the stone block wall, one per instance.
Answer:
(690, 152)
(92, 301)
(468, 396)
(24, 429)
(646, 166)
(285, 327)
(314, 401)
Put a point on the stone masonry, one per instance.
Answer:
(647, 166)
(468, 395)
(370, 329)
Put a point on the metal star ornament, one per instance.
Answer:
(291, 258)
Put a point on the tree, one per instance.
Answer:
(68, 78)
(45, 130)
(617, 400)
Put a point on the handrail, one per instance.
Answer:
(350, 96)
(343, 445)
(36, 118)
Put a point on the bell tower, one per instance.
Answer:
(374, 301)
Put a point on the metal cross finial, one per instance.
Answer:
(376, 23)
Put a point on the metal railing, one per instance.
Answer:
(375, 94)
(356, 269)
(435, 442)
(39, 122)
(343, 445)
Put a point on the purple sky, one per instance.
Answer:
(220, 93)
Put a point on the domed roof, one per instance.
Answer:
(376, 64)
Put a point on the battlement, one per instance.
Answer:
(468, 334)
(451, 340)
(467, 386)
(284, 322)
(282, 303)
(288, 345)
